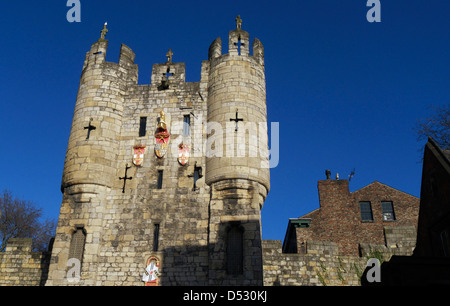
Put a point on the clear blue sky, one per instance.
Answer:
(345, 92)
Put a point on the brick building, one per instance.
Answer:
(375, 215)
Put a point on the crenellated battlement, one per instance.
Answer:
(126, 56)
(168, 74)
(238, 45)
(163, 75)
(125, 70)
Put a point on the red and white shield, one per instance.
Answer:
(183, 154)
(138, 154)
(162, 136)
(161, 142)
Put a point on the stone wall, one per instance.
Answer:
(21, 267)
(322, 265)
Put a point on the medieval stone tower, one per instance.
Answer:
(163, 184)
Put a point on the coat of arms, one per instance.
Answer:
(183, 154)
(161, 137)
(138, 154)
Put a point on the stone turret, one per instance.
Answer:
(94, 139)
(237, 166)
(91, 167)
(237, 91)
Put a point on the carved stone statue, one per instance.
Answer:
(169, 56)
(238, 22)
(103, 32)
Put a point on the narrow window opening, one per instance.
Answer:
(156, 238)
(186, 125)
(239, 44)
(142, 126)
(77, 244)
(235, 250)
(160, 179)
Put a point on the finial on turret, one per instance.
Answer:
(104, 31)
(238, 22)
(169, 56)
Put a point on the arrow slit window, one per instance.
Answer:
(160, 179)
(156, 237)
(186, 125)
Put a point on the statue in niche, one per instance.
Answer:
(151, 273)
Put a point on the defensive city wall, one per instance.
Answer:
(321, 266)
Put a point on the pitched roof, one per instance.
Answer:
(378, 183)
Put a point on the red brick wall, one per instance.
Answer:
(339, 220)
